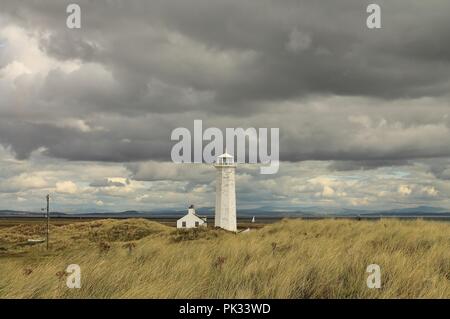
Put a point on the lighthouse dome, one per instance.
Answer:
(225, 155)
(225, 159)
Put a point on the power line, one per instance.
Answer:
(48, 218)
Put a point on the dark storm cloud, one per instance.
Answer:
(69, 46)
(344, 57)
(25, 138)
(439, 168)
(80, 146)
(365, 165)
(147, 67)
(108, 183)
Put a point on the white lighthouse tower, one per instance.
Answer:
(225, 193)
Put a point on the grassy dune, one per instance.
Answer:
(290, 259)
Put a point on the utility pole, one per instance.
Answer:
(48, 218)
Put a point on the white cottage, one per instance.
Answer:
(191, 220)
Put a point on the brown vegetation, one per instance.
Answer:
(138, 258)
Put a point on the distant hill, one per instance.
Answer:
(267, 212)
(15, 213)
(416, 210)
(412, 212)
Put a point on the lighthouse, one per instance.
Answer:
(225, 216)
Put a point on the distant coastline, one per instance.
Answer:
(422, 212)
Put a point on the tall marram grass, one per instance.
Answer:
(288, 259)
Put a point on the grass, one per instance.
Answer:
(138, 258)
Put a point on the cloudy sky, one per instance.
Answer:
(86, 114)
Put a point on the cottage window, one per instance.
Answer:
(196, 224)
(183, 224)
